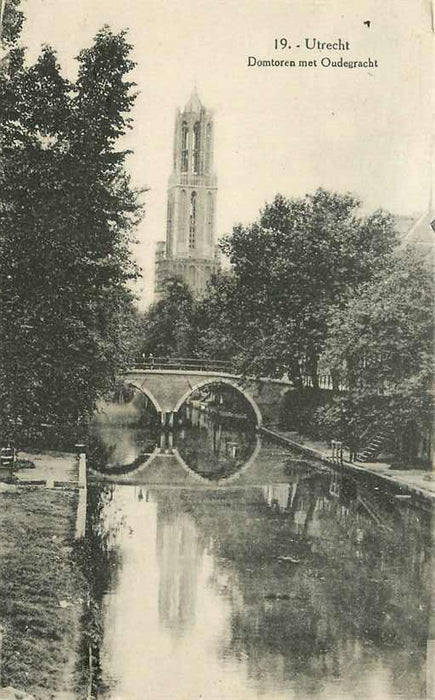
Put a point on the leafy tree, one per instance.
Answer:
(382, 344)
(220, 324)
(67, 215)
(300, 258)
(169, 328)
(13, 20)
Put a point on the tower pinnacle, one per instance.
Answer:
(194, 103)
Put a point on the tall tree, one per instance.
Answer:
(219, 321)
(299, 259)
(67, 216)
(169, 328)
(382, 344)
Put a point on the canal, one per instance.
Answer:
(226, 567)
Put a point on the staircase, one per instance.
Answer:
(373, 448)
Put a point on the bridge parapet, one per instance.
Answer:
(189, 364)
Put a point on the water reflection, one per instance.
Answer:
(213, 437)
(305, 588)
(179, 557)
(290, 582)
(212, 444)
(123, 434)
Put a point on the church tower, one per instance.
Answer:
(190, 248)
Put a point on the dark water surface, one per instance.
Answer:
(285, 581)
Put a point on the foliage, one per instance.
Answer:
(221, 322)
(13, 20)
(383, 343)
(300, 257)
(67, 213)
(169, 328)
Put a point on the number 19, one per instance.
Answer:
(281, 43)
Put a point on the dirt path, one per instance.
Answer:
(49, 467)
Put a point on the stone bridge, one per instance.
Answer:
(169, 383)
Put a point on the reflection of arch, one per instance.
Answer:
(246, 466)
(229, 382)
(224, 480)
(147, 393)
(190, 471)
(128, 473)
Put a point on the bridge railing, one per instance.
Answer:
(192, 364)
(324, 381)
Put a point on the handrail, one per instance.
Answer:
(189, 363)
(324, 381)
(166, 358)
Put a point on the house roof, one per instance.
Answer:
(422, 233)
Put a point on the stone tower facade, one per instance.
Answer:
(190, 248)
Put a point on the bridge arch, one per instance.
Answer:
(221, 380)
(149, 394)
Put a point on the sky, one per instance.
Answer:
(288, 130)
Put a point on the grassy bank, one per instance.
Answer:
(41, 591)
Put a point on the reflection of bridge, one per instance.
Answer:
(168, 383)
(165, 465)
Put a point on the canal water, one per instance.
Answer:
(228, 568)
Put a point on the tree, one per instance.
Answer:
(299, 259)
(13, 20)
(67, 215)
(219, 320)
(382, 343)
(169, 327)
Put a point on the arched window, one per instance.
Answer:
(192, 221)
(196, 147)
(208, 148)
(184, 147)
(182, 223)
(192, 275)
(210, 217)
(169, 229)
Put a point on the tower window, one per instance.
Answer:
(192, 221)
(184, 147)
(210, 217)
(182, 225)
(208, 148)
(196, 147)
(169, 225)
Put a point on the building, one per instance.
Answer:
(421, 237)
(190, 248)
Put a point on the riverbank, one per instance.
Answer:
(415, 482)
(41, 586)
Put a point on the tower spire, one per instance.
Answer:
(194, 104)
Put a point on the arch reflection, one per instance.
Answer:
(216, 436)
